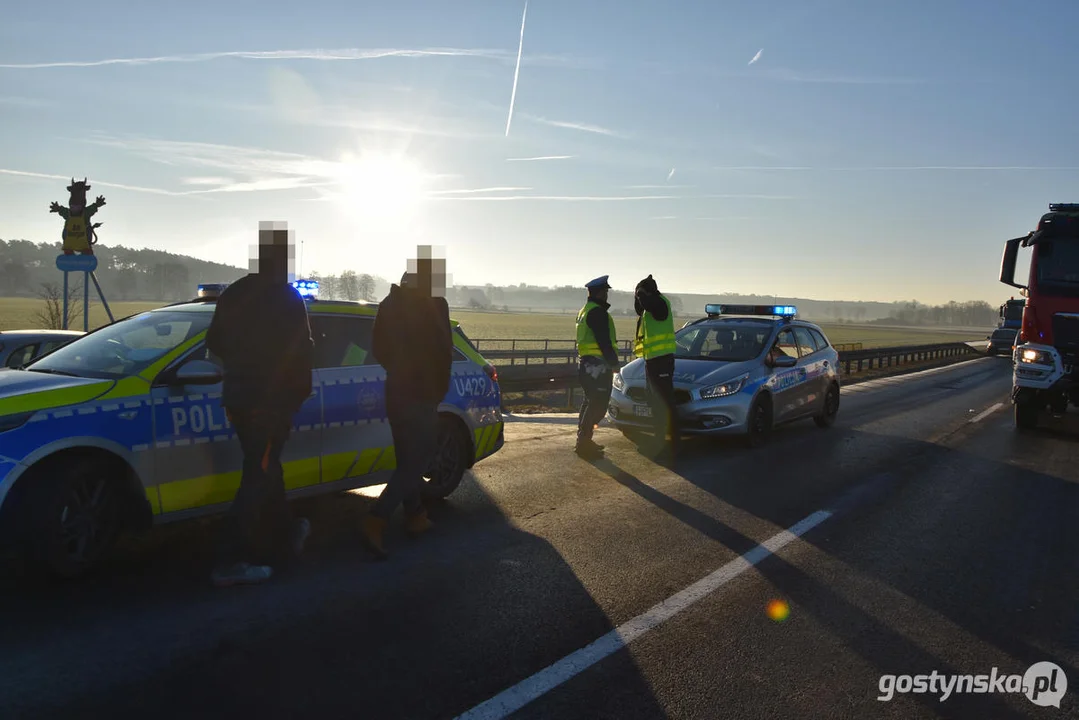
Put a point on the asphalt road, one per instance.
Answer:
(928, 536)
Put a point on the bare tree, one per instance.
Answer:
(51, 317)
(350, 286)
(366, 287)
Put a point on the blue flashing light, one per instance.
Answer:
(714, 310)
(306, 288)
(210, 290)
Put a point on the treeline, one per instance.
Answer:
(975, 313)
(155, 275)
(124, 273)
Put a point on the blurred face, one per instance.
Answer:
(275, 256)
(426, 273)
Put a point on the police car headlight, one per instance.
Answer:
(1036, 357)
(618, 382)
(724, 389)
(11, 422)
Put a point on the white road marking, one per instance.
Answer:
(986, 413)
(513, 699)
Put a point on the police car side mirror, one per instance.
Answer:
(198, 372)
(784, 361)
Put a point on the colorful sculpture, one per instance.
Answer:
(79, 235)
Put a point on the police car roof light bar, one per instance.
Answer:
(211, 290)
(1064, 207)
(786, 311)
(306, 288)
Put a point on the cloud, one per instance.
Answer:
(583, 127)
(656, 187)
(95, 183)
(344, 54)
(757, 56)
(541, 157)
(478, 190)
(611, 198)
(206, 181)
(670, 174)
(24, 101)
(895, 168)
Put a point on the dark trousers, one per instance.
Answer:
(660, 374)
(260, 513)
(415, 442)
(595, 380)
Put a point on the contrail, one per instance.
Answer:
(670, 174)
(517, 69)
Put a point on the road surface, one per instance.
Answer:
(927, 535)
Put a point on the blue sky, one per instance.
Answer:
(871, 151)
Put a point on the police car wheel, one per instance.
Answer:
(450, 462)
(759, 421)
(831, 407)
(76, 516)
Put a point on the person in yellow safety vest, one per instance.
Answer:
(596, 365)
(654, 341)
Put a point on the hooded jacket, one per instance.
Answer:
(413, 341)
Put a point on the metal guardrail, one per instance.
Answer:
(546, 352)
(534, 377)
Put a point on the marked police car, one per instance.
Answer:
(742, 370)
(123, 428)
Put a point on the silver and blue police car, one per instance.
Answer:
(741, 370)
(18, 347)
(123, 428)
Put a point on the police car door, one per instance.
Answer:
(356, 441)
(787, 383)
(816, 367)
(197, 457)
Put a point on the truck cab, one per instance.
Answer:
(1047, 347)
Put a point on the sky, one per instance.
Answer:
(827, 149)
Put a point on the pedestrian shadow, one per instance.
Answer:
(449, 621)
(885, 648)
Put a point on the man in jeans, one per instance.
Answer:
(261, 334)
(413, 341)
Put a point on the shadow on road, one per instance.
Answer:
(449, 621)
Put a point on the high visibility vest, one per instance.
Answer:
(77, 233)
(655, 337)
(587, 345)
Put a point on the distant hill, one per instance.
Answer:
(156, 275)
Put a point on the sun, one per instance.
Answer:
(381, 187)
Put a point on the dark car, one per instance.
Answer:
(1001, 341)
(18, 347)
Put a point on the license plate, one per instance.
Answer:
(642, 410)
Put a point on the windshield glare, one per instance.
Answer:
(1058, 262)
(125, 348)
(727, 343)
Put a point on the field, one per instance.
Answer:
(19, 314)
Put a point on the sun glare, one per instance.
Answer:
(380, 186)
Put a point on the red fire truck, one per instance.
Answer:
(1047, 350)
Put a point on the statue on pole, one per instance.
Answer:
(79, 235)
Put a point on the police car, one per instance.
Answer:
(742, 370)
(18, 347)
(123, 428)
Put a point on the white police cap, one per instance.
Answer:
(599, 283)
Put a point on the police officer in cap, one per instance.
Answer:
(597, 363)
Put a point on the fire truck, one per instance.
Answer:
(1047, 350)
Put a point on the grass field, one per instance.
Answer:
(19, 314)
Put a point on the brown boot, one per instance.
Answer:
(418, 523)
(371, 529)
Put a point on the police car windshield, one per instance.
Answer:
(125, 348)
(723, 341)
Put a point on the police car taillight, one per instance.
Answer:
(491, 372)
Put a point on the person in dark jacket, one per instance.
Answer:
(413, 341)
(262, 336)
(597, 363)
(655, 343)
